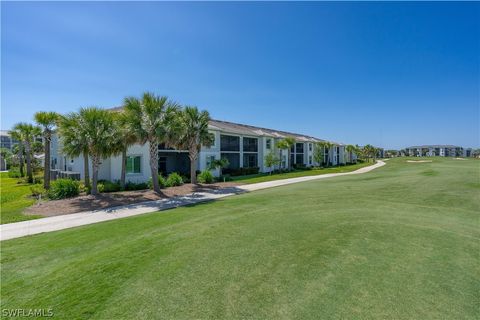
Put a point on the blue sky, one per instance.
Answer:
(388, 74)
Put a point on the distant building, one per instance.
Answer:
(6, 140)
(438, 151)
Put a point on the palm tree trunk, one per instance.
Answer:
(29, 162)
(124, 169)
(46, 167)
(20, 161)
(95, 165)
(86, 170)
(193, 155)
(153, 148)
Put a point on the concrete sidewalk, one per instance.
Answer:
(25, 228)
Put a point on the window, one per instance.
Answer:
(209, 160)
(309, 160)
(299, 158)
(250, 145)
(233, 160)
(133, 164)
(249, 160)
(229, 143)
(269, 144)
(299, 148)
(310, 147)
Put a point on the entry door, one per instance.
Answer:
(162, 165)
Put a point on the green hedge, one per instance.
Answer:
(205, 177)
(63, 188)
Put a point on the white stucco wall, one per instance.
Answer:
(135, 150)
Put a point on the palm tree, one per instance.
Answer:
(326, 147)
(318, 153)
(351, 149)
(47, 120)
(191, 134)
(27, 134)
(148, 119)
(125, 138)
(369, 151)
(18, 149)
(98, 126)
(74, 141)
(286, 144)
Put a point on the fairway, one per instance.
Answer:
(400, 242)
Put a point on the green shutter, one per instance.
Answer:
(136, 164)
(129, 165)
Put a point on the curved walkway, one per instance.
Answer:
(30, 227)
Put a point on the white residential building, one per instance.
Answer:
(438, 150)
(244, 146)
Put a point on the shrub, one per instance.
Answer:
(130, 186)
(205, 177)
(161, 181)
(37, 190)
(108, 186)
(174, 180)
(64, 188)
(14, 173)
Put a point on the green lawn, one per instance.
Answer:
(14, 198)
(400, 242)
(263, 177)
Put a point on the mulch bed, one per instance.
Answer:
(107, 200)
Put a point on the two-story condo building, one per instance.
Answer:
(244, 146)
(438, 150)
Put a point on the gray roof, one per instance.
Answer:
(244, 129)
(433, 146)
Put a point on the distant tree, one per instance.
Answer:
(286, 144)
(351, 150)
(19, 151)
(125, 137)
(6, 156)
(100, 137)
(219, 164)
(48, 121)
(326, 146)
(271, 160)
(27, 134)
(74, 140)
(319, 153)
(190, 134)
(370, 152)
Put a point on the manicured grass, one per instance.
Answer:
(400, 242)
(263, 177)
(14, 198)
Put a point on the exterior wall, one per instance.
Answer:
(110, 169)
(135, 150)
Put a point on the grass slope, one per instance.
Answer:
(263, 177)
(399, 242)
(13, 199)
